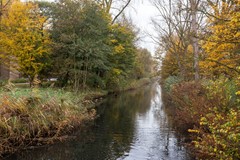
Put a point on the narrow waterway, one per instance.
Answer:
(131, 126)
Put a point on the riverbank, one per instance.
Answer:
(32, 117)
(208, 112)
(128, 128)
(38, 116)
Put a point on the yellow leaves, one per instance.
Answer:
(119, 49)
(113, 41)
(238, 93)
(116, 71)
(23, 37)
(203, 121)
(223, 139)
(193, 131)
(221, 46)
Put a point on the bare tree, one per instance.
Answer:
(194, 7)
(110, 5)
(177, 27)
(174, 29)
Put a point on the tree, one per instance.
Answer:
(222, 39)
(179, 32)
(194, 24)
(143, 64)
(80, 32)
(23, 38)
(93, 50)
(3, 7)
(123, 53)
(174, 36)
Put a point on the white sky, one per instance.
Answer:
(141, 12)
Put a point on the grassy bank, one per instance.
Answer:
(38, 116)
(209, 111)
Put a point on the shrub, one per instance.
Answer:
(219, 131)
(190, 102)
(170, 82)
(3, 82)
(222, 92)
(222, 138)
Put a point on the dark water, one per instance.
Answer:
(132, 126)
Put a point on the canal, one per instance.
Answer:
(131, 126)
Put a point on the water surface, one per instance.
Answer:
(131, 126)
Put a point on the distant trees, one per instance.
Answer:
(144, 64)
(95, 51)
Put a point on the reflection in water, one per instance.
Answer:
(132, 126)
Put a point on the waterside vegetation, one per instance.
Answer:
(207, 106)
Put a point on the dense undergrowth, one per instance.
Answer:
(210, 111)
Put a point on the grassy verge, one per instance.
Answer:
(209, 111)
(39, 116)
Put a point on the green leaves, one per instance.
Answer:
(89, 45)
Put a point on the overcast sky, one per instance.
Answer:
(141, 12)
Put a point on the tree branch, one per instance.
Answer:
(120, 12)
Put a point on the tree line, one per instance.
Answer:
(78, 42)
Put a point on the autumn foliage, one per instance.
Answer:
(209, 108)
(23, 38)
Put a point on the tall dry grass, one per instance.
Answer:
(38, 116)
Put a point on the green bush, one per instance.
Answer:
(170, 82)
(223, 93)
(3, 83)
(95, 81)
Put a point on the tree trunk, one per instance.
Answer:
(194, 5)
